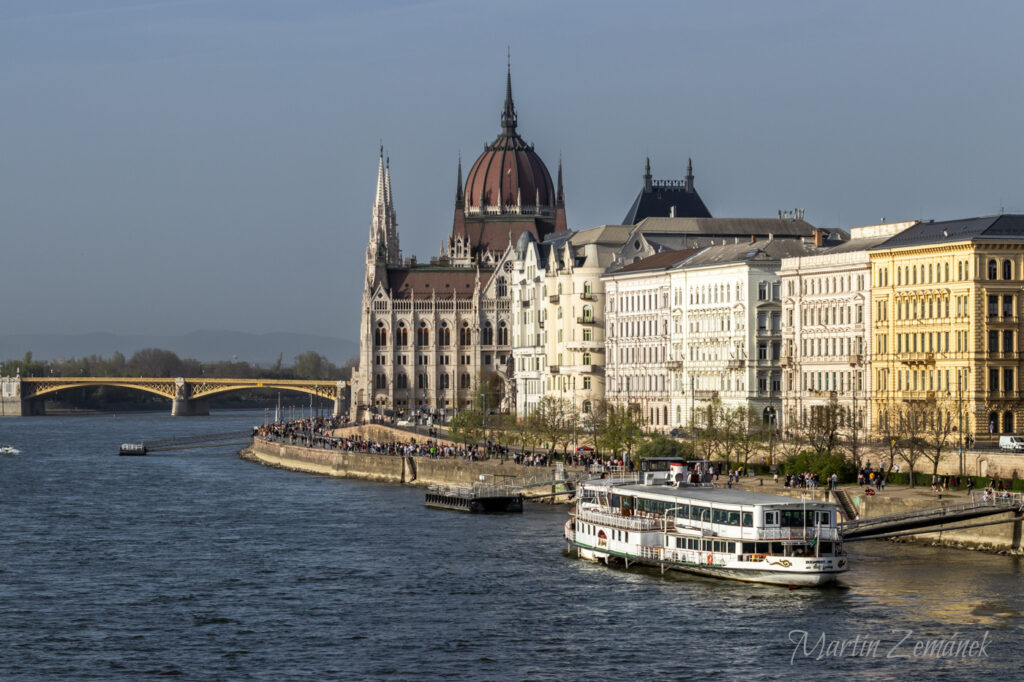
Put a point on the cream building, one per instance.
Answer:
(559, 327)
(726, 329)
(826, 323)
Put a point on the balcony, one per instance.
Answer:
(586, 320)
(674, 364)
(735, 364)
(526, 303)
(854, 359)
(553, 298)
(585, 345)
(553, 369)
(587, 296)
(705, 395)
(786, 361)
(917, 358)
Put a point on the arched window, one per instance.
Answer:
(502, 288)
(1008, 422)
(946, 273)
(423, 335)
(465, 335)
(444, 335)
(380, 335)
(586, 358)
(421, 381)
(586, 407)
(445, 381)
(588, 292)
(993, 422)
(588, 314)
(380, 381)
(993, 269)
(960, 270)
(487, 337)
(1007, 273)
(502, 334)
(401, 380)
(899, 278)
(464, 380)
(402, 335)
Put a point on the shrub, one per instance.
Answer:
(822, 464)
(663, 446)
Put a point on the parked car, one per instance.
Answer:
(584, 449)
(1015, 443)
(403, 422)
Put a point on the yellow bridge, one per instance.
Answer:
(21, 396)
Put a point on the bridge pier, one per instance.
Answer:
(189, 408)
(11, 402)
(339, 400)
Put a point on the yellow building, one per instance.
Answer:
(946, 324)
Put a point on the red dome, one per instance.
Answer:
(509, 173)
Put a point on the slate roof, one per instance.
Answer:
(659, 261)
(729, 227)
(763, 250)
(660, 200)
(995, 227)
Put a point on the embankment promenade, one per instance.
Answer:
(401, 469)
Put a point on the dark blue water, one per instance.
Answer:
(204, 566)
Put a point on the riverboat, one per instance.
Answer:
(476, 500)
(9, 450)
(670, 516)
(132, 449)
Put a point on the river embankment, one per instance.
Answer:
(406, 469)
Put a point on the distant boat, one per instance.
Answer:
(132, 449)
(9, 450)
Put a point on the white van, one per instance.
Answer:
(1011, 443)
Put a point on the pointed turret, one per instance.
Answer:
(383, 246)
(689, 175)
(508, 115)
(560, 221)
(648, 182)
(459, 202)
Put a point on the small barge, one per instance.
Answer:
(132, 449)
(672, 517)
(476, 500)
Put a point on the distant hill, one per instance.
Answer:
(206, 346)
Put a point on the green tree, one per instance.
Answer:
(467, 427)
(663, 446)
(312, 365)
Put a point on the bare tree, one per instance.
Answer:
(751, 436)
(939, 430)
(910, 444)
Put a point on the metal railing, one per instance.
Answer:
(625, 522)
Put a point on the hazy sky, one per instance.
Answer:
(173, 166)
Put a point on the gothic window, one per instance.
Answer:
(992, 269)
(464, 380)
(1008, 422)
(502, 288)
(502, 334)
(1007, 271)
(487, 335)
(423, 335)
(380, 381)
(421, 381)
(445, 381)
(380, 335)
(401, 380)
(444, 335)
(402, 335)
(465, 335)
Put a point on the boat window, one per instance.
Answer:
(615, 500)
(700, 513)
(627, 536)
(796, 517)
(734, 518)
(718, 546)
(826, 548)
(777, 548)
(748, 519)
(679, 543)
(731, 547)
(771, 518)
(693, 544)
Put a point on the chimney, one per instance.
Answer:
(671, 211)
(753, 238)
(770, 236)
(819, 237)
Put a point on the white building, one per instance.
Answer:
(826, 326)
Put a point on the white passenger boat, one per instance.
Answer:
(670, 516)
(9, 450)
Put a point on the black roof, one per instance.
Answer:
(1008, 226)
(659, 200)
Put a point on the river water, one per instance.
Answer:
(198, 564)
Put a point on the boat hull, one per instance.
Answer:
(792, 578)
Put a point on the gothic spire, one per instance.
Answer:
(559, 194)
(508, 115)
(689, 175)
(648, 183)
(458, 183)
(380, 178)
(387, 180)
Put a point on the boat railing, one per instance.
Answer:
(476, 490)
(797, 533)
(624, 522)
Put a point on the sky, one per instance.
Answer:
(171, 166)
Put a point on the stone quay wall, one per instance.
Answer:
(397, 469)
